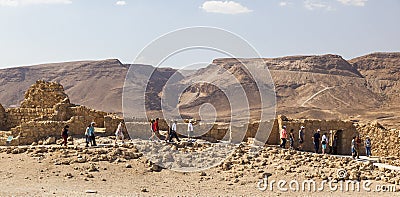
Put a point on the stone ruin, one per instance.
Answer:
(45, 110)
(257, 131)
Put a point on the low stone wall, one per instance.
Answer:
(16, 116)
(211, 132)
(385, 142)
(89, 114)
(33, 131)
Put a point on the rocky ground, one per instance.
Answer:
(122, 170)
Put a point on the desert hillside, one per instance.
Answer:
(323, 87)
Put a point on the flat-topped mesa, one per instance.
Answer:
(323, 64)
(44, 94)
(379, 60)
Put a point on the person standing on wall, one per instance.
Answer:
(283, 137)
(64, 134)
(316, 138)
(301, 138)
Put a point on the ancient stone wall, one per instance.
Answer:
(346, 131)
(89, 114)
(44, 95)
(29, 132)
(385, 142)
(45, 110)
(17, 116)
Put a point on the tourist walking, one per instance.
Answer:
(353, 147)
(291, 139)
(283, 137)
(87, 137)
(301, 138)
(367, 144)
(119, 134)
(316, 138)
(324, 143)
(172, 133)
(190, 130)
(92, 137)
(64, 134)
(151, 138)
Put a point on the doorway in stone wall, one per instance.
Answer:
(339, 142)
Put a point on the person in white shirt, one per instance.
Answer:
(324, 143)
(119, 133)
(172, 133)
(190, 129)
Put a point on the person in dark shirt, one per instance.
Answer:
(64, 134)
(316, 138)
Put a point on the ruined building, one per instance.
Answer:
(45, 110)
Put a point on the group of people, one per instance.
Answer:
(89, 135)
(325, 141)
(172, 131)
(356, 146)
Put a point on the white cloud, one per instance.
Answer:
(224, 7)
(284, 3)
(121, 3)
(15, 3)
(316, 4)
(353, 2)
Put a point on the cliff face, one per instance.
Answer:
(382, 73)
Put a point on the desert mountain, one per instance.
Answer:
(323, 87)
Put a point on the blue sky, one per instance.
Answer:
(44, 31)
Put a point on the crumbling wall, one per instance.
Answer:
(29, 132)
(89, 114)
(348, 130)
(385, 142)
(44, 95)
